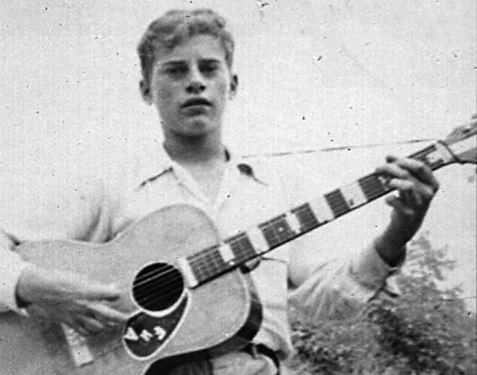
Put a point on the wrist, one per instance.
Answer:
(22, 287)
(390, 250)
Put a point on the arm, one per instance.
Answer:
(63, 297)
(341, 287)
(338, 288)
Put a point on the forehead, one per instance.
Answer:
(197, 47)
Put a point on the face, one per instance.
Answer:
(190, 86)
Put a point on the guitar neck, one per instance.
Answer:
(256, 241)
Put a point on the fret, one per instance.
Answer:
(269, 234)
(196, 263)
(372, 186)
(207, 264)
(258, 240)
(437, 164)
(283, 228)
(215, 258)
(321, 210)
(422, 154)
(201, 267)
(227, 253)
(337, 203)
(439, 156)
(241, 247)
(277, 231)
(305, 216)
(293, 222)
(354, 195)
(435, 156)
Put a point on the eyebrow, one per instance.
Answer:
(179, 62)
(171, 62)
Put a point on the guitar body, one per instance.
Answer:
(220, 315)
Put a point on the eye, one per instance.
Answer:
(209, 68)
(175, 71)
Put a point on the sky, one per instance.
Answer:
(312, 75)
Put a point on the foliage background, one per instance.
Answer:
(426, 331)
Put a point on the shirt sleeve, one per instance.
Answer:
(11, 266)
(339, 288)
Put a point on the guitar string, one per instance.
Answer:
(176, 285)
(200, 265)
(378, 189)
(197, 257)
(311, 223)
(200, 257)
(203, 257)
(143, 297)
(278, 236)
(156, 298)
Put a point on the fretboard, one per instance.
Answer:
(233, 252)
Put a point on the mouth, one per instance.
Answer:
(196, 102)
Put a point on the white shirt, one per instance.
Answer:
(322, 288)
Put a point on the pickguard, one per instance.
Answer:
(144, 335)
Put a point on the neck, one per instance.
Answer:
(192, 150)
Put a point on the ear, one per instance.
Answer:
(145, 90)
(233, 86)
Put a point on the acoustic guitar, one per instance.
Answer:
(184, 287)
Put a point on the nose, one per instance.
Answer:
(195, 87)
(196, 83)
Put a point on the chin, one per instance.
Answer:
(198, 128)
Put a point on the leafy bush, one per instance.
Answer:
(426, 331)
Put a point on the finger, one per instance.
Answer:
(92, 325)
(415, 192)
(106, 313)
(77, 325)
(101, 291)
(393, 170)
(82, 287)
(419, 170)
(407, 190)
(391, 158)
(396, 203)
(62, 286)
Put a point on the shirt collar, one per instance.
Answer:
(162, 164)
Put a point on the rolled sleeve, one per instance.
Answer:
(370, 270)
(339, 289)
(11, 266)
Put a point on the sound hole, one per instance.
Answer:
(158, 286)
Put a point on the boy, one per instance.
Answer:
(186, 61)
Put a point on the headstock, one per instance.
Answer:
(462, 142)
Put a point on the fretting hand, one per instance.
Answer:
(416, 187)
